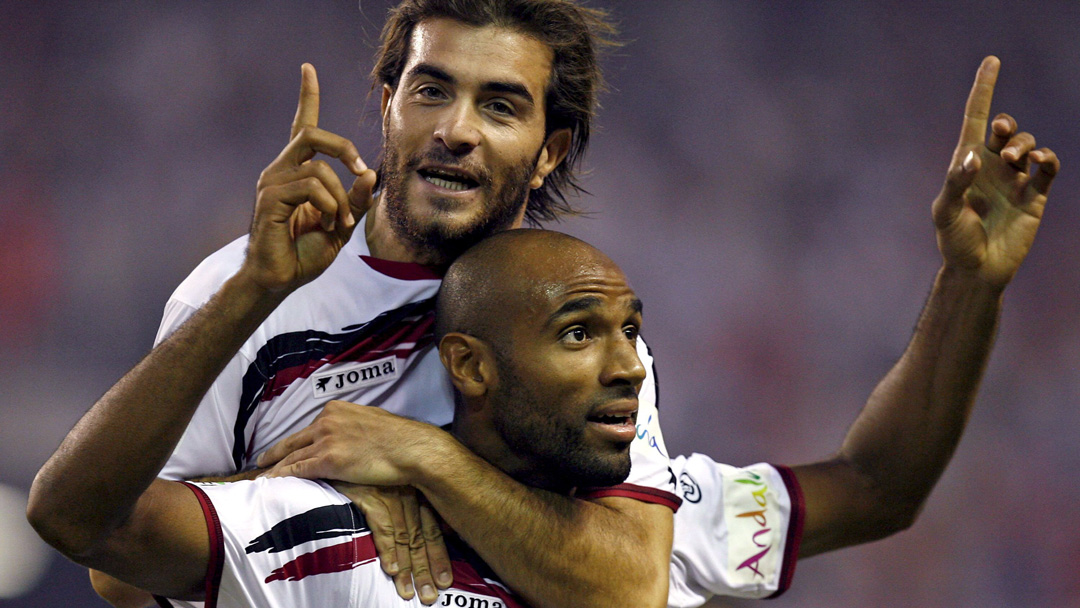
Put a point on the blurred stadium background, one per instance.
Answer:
(762, 171)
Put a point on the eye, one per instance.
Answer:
(431, 92)
(501, 107)
(575, 335)
(631, 332)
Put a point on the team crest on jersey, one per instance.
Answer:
(345, 379)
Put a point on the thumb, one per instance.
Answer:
(960, 177)
(360, 194)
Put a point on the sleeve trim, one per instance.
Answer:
(630, 490)
(795, 529)
(216, 563)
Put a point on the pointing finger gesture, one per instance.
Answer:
(992, 202)
(303, 215)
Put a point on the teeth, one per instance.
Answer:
(450, 174)
(445, 183)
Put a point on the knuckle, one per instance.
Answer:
(433, 533)
(403, 538)
(416, 540)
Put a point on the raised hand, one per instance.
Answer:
(303, 215)
(992, 202)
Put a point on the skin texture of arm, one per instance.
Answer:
(303, 216)
(552, 550)
(137, 528)
(555, 550)
(986, 218)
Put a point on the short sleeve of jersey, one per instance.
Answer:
(286, 542)
(294, 543)
(737, 532)
(651, 478)
(202, 448)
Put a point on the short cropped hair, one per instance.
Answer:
(574, 33)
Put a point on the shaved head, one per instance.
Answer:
(494, 278)
(538, 331)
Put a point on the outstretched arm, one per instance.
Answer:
(986, 217)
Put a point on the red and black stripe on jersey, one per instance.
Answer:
(291, 356)
(471, 574)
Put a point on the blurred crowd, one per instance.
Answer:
(762, 171)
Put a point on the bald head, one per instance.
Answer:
(504, 274)
(538, 331)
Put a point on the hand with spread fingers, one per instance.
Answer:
(992, 202)
(303, 215)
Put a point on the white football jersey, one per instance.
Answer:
(360, 332)
(293, 543)
(737, 531)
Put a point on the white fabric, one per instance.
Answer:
(316, 561)
(731, 532)
(349, 294)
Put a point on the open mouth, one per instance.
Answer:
(450, 180)
(614, 419)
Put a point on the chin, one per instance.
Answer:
(602, 471)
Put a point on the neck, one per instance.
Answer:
(384, 243)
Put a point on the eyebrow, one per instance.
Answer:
(586, 303)
(494, 86)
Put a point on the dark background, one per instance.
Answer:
(762, 171)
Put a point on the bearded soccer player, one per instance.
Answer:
(739, 531)
(549, 408)
(486, 109)
(945, 383)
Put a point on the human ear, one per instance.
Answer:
(467, 360)
(387, 97)
(556, 147)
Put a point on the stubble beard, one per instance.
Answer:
(559, 454)
(434, 240)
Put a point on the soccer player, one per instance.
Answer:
(538, 332)
(739, 531)
(486, 108)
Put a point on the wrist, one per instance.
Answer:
(246, 289)
(968, 281)
(438, 457)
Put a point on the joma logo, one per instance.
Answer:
(357, 376)
(463, 599)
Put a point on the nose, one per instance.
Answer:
(623, 365)
(459, 130)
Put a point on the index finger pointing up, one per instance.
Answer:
(977, 110)
(307, 109)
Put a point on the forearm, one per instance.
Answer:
(552, 549)
(117, 449)
(899, 445)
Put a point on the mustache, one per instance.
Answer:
(617, 393)
(441, 156)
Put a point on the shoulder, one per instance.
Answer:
(286, 494)
(210, 274)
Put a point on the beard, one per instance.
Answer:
(436, 239)
(557, 453)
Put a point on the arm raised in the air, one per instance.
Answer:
(986, 218)
(303, 216)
